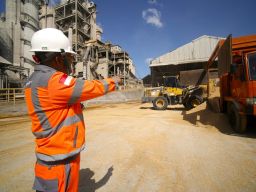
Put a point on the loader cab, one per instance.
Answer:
(172, 85)
(171, 81)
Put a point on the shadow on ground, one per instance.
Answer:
(147, 108)
(206, 116)
(168, 108)
(88, 184)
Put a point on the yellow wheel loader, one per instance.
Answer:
(172, 93)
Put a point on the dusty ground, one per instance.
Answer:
(131, 147)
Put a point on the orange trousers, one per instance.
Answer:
(61, 177)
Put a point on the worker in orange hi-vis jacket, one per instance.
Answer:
(53, 100)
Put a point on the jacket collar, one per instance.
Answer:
(44, 68)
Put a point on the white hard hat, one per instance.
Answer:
(50, 40)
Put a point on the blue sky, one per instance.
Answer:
(150, 28)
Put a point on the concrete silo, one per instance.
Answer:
(18, 23)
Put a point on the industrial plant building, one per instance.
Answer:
(18, 23)
(77, 20)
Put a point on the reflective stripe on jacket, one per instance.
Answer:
(53, 101)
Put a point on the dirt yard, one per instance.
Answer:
(132, 148)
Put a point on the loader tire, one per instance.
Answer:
(237, 121)
(187, 106)
(193, 101)
(160, 103)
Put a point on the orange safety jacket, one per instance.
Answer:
(53, 100)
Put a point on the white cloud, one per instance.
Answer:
(152, 16)
(152, 1)
(100, 25)
(147, 61)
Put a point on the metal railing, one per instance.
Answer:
(11, 94)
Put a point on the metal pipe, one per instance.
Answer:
(70, 35)
(114, 64)
(16, 11)
(76, 27)
(21, 50)
(46, 5)
(13, 57)
(46, 16)
(124, 72)
(2, 81)
(6, 81)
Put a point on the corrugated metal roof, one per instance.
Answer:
(199, 50)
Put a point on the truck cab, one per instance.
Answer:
(242, 92)
(237, 74)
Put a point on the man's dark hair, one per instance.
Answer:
(45, 57)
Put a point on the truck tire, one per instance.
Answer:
(238, 122)
(193, 101)
(160, 103)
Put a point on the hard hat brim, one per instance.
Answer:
(57, 51)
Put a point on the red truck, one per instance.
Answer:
(237, 79)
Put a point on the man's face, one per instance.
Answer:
(70, 57)
(71, 62)
(62, 65)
